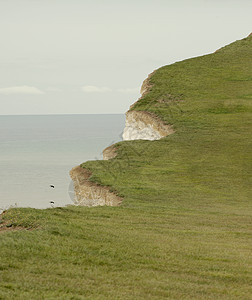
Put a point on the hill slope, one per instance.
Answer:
(183, 230)
(208, 102)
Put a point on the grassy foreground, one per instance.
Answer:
(184, 228)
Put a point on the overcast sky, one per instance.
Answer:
(81, 56)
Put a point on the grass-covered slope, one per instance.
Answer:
(183, 230)
(208, 100)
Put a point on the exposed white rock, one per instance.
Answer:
(109, 152)
(88, 193)
(142, 125)
(138, 130)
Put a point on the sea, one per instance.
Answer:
(38, 151)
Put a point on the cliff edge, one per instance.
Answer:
(88, 193)
(140, 125)
(203, 97)
(143, 125)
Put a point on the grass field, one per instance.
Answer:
(184, 229)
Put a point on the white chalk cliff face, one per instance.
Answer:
(141, 125)
(88, 193)
(139, 130)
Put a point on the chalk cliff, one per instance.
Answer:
(88, 193)
(143, 125)
(139, 125)
(109, 152)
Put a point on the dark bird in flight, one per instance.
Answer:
(52, 202)
(52, 186)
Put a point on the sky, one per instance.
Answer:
(91, 57)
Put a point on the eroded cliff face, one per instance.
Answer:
(109, 152)
(139, 125)
(143, 125)
(88, 193)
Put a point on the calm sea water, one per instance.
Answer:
(37, 151)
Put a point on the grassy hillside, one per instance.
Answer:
(183, 230)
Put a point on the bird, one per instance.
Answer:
(52, 186)
(52, 202)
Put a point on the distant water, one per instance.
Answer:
(37, 151)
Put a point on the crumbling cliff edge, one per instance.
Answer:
(88, 193)
(140, 125)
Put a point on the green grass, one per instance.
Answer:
(183, 230)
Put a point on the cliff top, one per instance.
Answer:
(200, 82)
